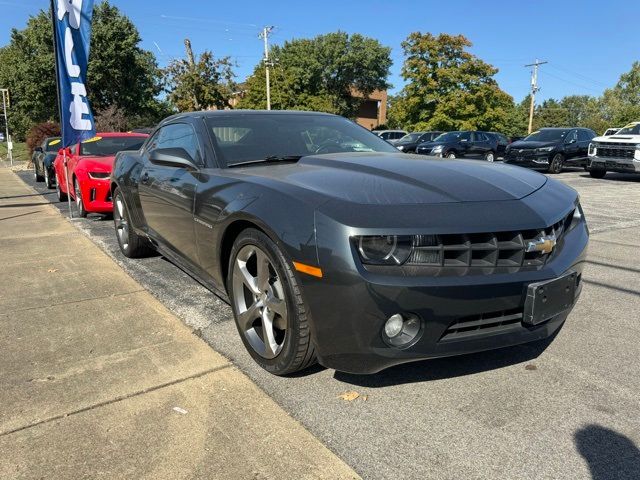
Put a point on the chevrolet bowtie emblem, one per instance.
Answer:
(543, 244)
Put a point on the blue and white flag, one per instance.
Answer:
(72, 30)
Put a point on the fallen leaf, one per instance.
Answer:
(349, 396)
(181, 411)
(52, 270)
(530, 367)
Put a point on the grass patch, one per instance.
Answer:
(20, 152)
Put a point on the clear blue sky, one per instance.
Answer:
(588, 43)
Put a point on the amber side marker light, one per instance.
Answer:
(308, 269)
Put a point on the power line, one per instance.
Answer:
(572, 83)
(576, 74)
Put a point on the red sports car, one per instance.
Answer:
(89, 165)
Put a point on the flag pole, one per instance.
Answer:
(64, 147)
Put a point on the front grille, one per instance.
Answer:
(483, 250)
(615, 150)
(483, 324)
(524, 153)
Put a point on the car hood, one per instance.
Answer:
(532, 144)
(102, 163)
(618, 139)
(400, 179)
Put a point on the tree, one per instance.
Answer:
(39, 132)
(331, 73)
(206, 83)
(120, 72)
(111, 119)
(448, 88)
(621, 104)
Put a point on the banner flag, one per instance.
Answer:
(72, 35)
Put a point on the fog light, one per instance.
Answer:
(393, 327)
(402, 331)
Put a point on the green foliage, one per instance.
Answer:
(448, 88)
(120, 72)
(321, 73)
(208, 83)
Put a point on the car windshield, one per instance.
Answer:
(109, 146)
(250, 137)
(633, 129)
(448, 137)
(410, 137)
(547, 136)
(53, 145)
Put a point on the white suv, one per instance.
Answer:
(616, 153)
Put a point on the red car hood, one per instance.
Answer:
(101, 164)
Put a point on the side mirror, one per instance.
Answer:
(172, 157)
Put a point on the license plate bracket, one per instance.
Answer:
(547, 299)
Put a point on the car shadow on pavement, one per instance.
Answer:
(39, 194)
(450, 367)
(609, 454)
(619, 177)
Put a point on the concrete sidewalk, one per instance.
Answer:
(99, 380)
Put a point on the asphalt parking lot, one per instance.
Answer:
(564, 410)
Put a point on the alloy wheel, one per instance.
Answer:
(78, 193)
(122, 226)
(260, 304)
(489, 157)
(451, 155)
(556, 164)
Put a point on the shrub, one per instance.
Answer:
(39, 132)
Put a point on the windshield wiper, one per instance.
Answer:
(270, 159)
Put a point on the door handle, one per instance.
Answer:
(145, 178)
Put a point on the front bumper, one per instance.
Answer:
(96, 195)
(620, 165)
(348, 329)
(535, 161)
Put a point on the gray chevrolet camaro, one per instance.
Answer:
(332, 246)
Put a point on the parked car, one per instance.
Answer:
(48, 169)
(616, 153)
(410, 141)
(89, 165)
(361, 260)
(611, 131)
(464, 144)
(502, 141)
(390, 135)
(551, 149)
(48, 145)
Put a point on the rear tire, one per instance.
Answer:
(598, 173)
(131, 244)
(259, 276)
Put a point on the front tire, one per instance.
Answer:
(82, 212)
(451, 155)
(62, 197)
(268, 308)
(47, 179)
(598, 173)
(131, 244)
(36, 175)
(490, 156)
(557, 162)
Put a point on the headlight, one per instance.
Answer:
(577, 218)
(99, 175)
(384, 249)
(437, 149)
(592, 149)
(400, 147)
(544, 149)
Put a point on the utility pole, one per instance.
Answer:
(192, 66)
(5, 105)
(534, 89)
(266, 31)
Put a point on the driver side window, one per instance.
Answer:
(177, 135)
(572, 137)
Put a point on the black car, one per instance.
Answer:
(410, 141)
(463, 144)
(551, 149)
(502, 142)
(357, 259)
(48, 145)
(48, 169)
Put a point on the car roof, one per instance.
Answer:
(231, 113)
(120, 134)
